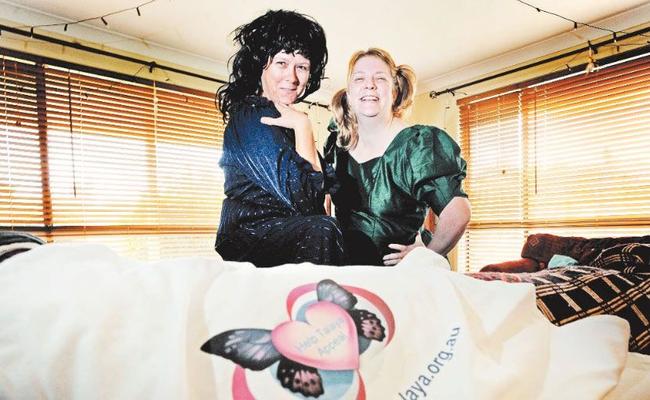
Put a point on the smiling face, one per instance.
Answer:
(285, 77)
(370, 88)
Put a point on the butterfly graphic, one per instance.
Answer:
(253, 348)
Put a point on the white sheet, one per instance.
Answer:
(80, 322)
(635, 379)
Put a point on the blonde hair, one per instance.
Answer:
(403, 93)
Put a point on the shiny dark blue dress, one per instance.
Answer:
(273, 211)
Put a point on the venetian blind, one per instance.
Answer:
(21, 179)
(130, 164)
(494, 182)
(566, 157)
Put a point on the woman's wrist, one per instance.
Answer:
(303, 126)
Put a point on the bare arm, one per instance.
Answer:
(451, 225)
(328, 204)
(305, 145)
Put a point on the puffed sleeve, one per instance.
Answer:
(436, 168)
(267, 156)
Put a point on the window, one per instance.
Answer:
(106, 158)
(566, 156)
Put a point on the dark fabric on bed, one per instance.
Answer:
(629, 258)
(8, 254)
(12, 243)
(9, 237)
(567, 294)
(272, 195)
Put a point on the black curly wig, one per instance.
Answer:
(262, 39)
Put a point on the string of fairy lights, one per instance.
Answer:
(577, 24)
(103, 18)
(590, 48)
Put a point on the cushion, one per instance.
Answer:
(559, 260)
(628, 258)
(542, 246)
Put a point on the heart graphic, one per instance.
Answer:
(328, 340)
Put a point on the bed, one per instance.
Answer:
(78, 321)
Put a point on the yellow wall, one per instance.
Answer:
(46, 49)
(320, 118)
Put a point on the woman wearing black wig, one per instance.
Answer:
(273, 211)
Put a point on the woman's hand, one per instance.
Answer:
(299, 122)
(289, 118)
(402, 251)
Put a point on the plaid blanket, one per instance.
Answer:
(568, 294)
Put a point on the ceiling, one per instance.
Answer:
(438, 38)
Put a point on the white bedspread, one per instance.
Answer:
(80, 322)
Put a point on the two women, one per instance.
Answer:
(389, 172)
(274, 184)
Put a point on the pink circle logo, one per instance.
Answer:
(317, 352)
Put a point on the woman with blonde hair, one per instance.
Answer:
(389, 173)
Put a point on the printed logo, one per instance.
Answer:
(316, 353)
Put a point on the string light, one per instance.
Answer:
(101, 18)
(591, 64)
(575, 23)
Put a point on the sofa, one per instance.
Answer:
(540, 248)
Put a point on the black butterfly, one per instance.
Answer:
(253, 349)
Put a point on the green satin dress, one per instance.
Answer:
(385, 200)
